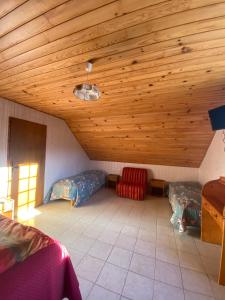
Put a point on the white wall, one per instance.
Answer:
(213, 165)
(168, 173)
(64, 155)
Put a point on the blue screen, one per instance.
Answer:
(217, 117)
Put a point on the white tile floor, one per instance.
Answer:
(124, 249)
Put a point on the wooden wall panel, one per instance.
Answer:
(159, 65)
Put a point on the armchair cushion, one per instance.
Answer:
(133, 183)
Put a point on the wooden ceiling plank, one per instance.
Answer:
(158, 25)
(66, 109)
(209, 99)
(185, 77)
(139, 159)
(126, 64)
(144, 140)
(141, 41)
(68, 26)
(7, 6)
(74, 104)
(100, 65)
(160, 156)
(152, 150)
(26, 12)
(51, 18)
(145, 71)
(146, 58)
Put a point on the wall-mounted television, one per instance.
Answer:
(217, 117)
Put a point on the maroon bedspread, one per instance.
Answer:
(18, 241)
(45, 275)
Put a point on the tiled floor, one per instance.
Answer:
(124, 249)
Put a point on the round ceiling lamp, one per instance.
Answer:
(87, 91)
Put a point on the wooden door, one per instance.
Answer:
(26, 156)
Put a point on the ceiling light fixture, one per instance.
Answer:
(87, 91)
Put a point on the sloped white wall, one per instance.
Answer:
(213, 165)
(168, 173)
(64, 155)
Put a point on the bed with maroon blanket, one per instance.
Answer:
(33, 266)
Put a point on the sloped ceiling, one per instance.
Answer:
(159, 64)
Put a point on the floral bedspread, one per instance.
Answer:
(17, 242)
(185, 199)
(77, 188)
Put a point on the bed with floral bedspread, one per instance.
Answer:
(78, 188)
(185, 200)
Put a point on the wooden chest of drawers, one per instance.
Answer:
(213, 212)
(213, 219)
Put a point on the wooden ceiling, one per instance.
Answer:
(160, 66)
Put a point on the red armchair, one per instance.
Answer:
(133, 184)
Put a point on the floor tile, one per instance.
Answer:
(147, 235)
(68, 238)
(125, 242)
(138, 287)
(78, 227)
(93, 233)
(186, 245)
(166, 241)
(99, 293)
(211, 265)
(117, 227)
(207, 249)
(89, 268)
(164, 222)
(143, 265)
(164, 230)
(194, 296)
(100, 250)
(163, 213)
(145, 248)
(164, 291)
(85, 287)
(120, 257)
(101, 222)
(149, 226)
(112, 278)
(75, 256)
(130, 231)
(191, 261)
(167, 255)
(196, 282)
(83, 244)
(218, 290)
(109, 236)
(168, 273)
